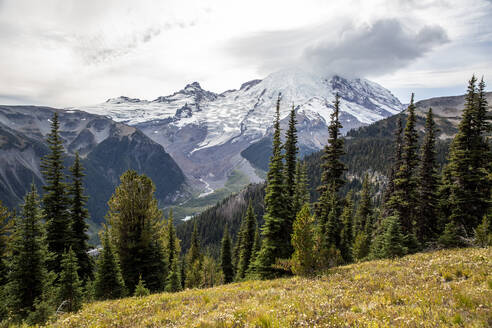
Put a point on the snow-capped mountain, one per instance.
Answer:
(205, 132)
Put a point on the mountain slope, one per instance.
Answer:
(107, 149)
(438, 289)
(206, 132)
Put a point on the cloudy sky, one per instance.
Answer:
(68, 52)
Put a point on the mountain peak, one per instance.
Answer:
(122, 100)
(194, 85)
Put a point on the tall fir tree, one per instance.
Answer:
(466, 186)
(301, 192)
(226, 257)
(254, 252)
(108, 283)
(28, 277)
(70, 286)
(291, 150)
(135, 218)
(428, 182)
(247, 241)
(194, 252)
(55, 198)
(346, 233)
(404, 199)
(273, 246)
(78, 217)
(174, 278)
(303, 261)
(193, 261)
(173, 283)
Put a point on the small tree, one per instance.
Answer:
(70, 286)
(393, 239)
(360, 248)
(483, 237)
(247, 241)
(303, 262)
(172, 282)
(451, 236)
(225, 257)
(109, 282)
(140, 290)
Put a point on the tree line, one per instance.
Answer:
(46, 264)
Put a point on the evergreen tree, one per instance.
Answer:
(404, 199)
(301, 191)
(193, 261)
(291, 151)
(483, 235)
(55, 198)
(140, 289)
(78, 215)
(361, 246)
(273, 246)
(346, 237)
(427, 184)
(452, 236)
(333, 168)
(28, 277)
(173, 283)
(171, 242)
(70, 286)
(393, 242)
(134, 218)
(247, 241)
(466, 186)
(225, 257)
(303, 262)
(109, 283)
(254, 252)
(364, 209)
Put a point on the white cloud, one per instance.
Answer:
(69, 52)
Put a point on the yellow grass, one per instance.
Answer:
(451, 288)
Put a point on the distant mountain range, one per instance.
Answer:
(206, 132)
(107, 148)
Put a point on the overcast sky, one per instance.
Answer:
(77, 52)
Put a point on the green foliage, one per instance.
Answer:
(364, 208)
(173, 283)
(211, 275)
(140, 289)
(6, 223)
(361, 246)
(55, 198)
(427, 202)
(246, 242)
(451, 236)
(301, 192)
(78, 217)
(226, 257)
(303, 261)
(69, 284)
(346, 230)
(109, 283)
(274, 240)
(193, 262)
(393, 239)
(135, 230)
(483, 236)
(28, 277)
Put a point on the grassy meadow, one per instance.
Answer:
(448, 288)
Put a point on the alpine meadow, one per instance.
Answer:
(313, 197)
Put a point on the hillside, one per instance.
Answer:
(443, 288)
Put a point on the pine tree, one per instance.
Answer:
(247, 241)
(291, 151)
(364, 209)
(28, 277)
(301, 192)
(226, 257)
(254, 252)
(140, 289)
(173, 283)
(303, 262)
(404, 199)
(483, 235)
(193, 261)
(333, 167)
(427, 184)
(70, 286)
(466, 186)
(361, 246)
(393, 240)
(109, 283)
(55, 198)
(78, 216)
(171, 242)
(346, 219)
(273, 246)
(135, 218)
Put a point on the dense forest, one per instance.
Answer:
(309, 216)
